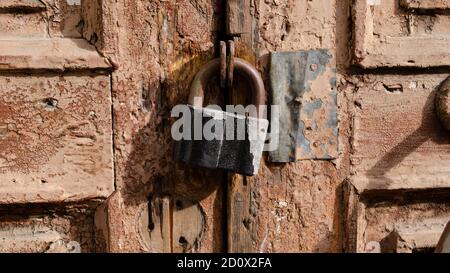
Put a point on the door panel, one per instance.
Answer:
(386, 35)
(56, 140)
(49, 228)
(398, 141)
(56, 146)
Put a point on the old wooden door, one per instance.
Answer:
(86, 91)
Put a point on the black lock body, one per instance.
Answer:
(240, 155)
(231, 154)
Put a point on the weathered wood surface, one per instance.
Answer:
(155, 48)
(237, 20)
(425, 4)
(398, 141)
(159, 47)
(55, 138)
(238, 196)
(50, 54)
(375, 45)
(21, 6)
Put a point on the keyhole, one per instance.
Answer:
(179, 205)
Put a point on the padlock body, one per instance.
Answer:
(236, 144)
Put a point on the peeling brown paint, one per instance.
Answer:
(56, 128)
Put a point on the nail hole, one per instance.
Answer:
(179, 205)
(50, 104)
(393, 88)
(43, 181)
(182, 240)
(246, 223)
(151, 226)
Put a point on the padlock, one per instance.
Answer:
(232, 154)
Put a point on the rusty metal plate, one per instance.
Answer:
(303, 85)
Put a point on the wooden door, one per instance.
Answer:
(86, 92)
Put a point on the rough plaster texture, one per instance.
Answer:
(155, 48)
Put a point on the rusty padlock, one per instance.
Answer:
(240, 155)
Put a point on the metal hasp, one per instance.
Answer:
(240, 155)
(303, 85)
(443, 104)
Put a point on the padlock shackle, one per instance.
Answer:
(241, 67)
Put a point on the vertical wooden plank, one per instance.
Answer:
(239, 24)
(351, 201)
(236, 17)
(166, 222)
(238, 191)
(239, 237)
